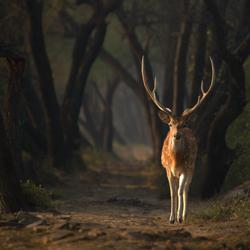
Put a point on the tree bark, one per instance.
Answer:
(34, 118)
(167, 97)
(46, 84)
(244, 22)
(107, 129)
(85, 52)
(102, 135)
(11, 198)
(228, 102)
(11, 112)
(151, 111)
(179, 74)
(73, 98)
(199, 55)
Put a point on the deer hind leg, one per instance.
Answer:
(182, 182)
(173, 185)
(185, 195)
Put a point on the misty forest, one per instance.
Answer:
(89, 90)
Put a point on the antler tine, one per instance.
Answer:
(204, 93)
(202, 87)
(155, 84)
(152, 93)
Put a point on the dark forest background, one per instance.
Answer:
(71, 87)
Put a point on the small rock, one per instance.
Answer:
(25, 218)
(37, 223)
(65, 216)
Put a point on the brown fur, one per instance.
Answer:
(179, 162)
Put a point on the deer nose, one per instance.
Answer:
(177, 136)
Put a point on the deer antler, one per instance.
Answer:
(152, 93)
(203, 95)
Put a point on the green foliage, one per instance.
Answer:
(238, 137)
(221, 210)
(36, 195)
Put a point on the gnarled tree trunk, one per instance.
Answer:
(226, 105)
(73, 98)
(179, 75)
(138, 52)
(51, 108)
(11, 198)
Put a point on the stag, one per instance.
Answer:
(179, 148)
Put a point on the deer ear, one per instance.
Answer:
(164, 117)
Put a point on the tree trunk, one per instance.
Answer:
(69, 115)
(199, 55)
(102, 135)
(138, 89)
(227, 104)
(154, 122)
(11, 113)
(167, 97)
(108, 129)
(179, 75)
(244, 22)
(73, 99)
(46, 84)
(78, 54)
(11, 198)
(230, 103)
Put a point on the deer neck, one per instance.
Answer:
(177, 149)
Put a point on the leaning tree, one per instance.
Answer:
(11, 197)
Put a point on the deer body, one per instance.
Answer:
(178, 158)
(179, 148)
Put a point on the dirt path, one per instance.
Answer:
(114, 209)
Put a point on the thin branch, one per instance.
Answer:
(120, 69)
(94, 85)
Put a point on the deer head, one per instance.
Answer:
(177, 125)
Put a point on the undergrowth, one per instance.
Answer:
(222, 210)
(238, 138)
(36, 195)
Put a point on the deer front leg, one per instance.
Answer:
(185, 195)
(182, 182)
(173, 193)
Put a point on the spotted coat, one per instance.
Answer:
(179, 162)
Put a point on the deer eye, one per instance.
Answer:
(170, 125)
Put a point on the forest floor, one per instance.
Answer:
(116, 208)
